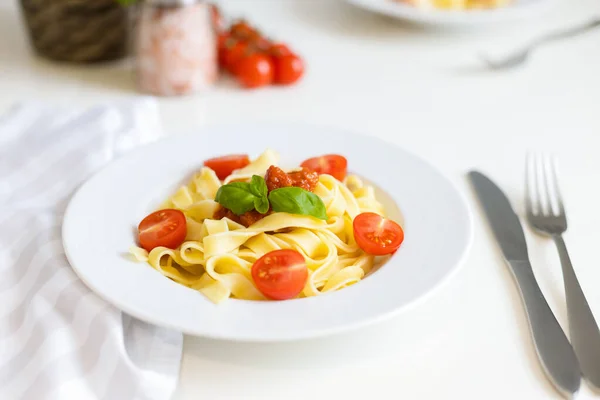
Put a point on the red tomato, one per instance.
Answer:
(289, 68)
(242, 30)
(377, 235)
(279, 50)
(234, 54)
(224, 43)
(225, 165)
(331, 164)
(254, 71)
(260, 43)
(165, 228)
(280, 274)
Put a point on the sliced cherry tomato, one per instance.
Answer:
(234, 54)
(279, 50)
(377, 235)
(242, 30)
(331, 164)
(165, 228)
(225, 165)
(289, 69)
(255, 71)
(280, 274)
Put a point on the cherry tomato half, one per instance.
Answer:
(377, 235)
(225, 165)
(280, 274)
(289, 69)
(255, 70)
(164, 228)
(331, 164)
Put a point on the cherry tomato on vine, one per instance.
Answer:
(279, 50)
(234, 54)
(289, 69)
(242, 30)
(255, 70)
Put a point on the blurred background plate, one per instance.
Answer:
(519, 9)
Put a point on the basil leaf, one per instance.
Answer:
(258, 186)
(295, 200)
(237, 197)
(261, 204)
(241, 197)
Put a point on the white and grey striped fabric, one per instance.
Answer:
(58, 340)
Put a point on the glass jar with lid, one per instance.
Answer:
(175, 47)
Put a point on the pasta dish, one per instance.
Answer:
(248, 229)
(457, 4)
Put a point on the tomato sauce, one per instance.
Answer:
(275, 178)
(306, 179)
(245, 219)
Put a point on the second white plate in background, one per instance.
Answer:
(520, 9)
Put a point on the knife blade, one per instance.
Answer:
(555, 353)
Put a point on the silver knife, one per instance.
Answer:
(553, 348)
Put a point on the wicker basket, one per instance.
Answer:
(83, 31)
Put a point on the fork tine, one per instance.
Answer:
(550, 186)
(559, 199)
(541, 189)
(528, 191)
(538, 177)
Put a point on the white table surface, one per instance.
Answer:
(422, 89)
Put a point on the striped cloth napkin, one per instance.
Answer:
(58, 340)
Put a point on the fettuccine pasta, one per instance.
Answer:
(217, 255)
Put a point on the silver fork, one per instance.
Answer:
(546, 214)
(520, 56)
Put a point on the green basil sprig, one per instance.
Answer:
(295, 200)
(241, 197)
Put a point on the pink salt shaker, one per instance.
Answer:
(175, 47)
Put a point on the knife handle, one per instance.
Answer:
(553, 348)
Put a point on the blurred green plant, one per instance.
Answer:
(126, 2)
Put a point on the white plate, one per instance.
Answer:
(100, 221)
(518, 10)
